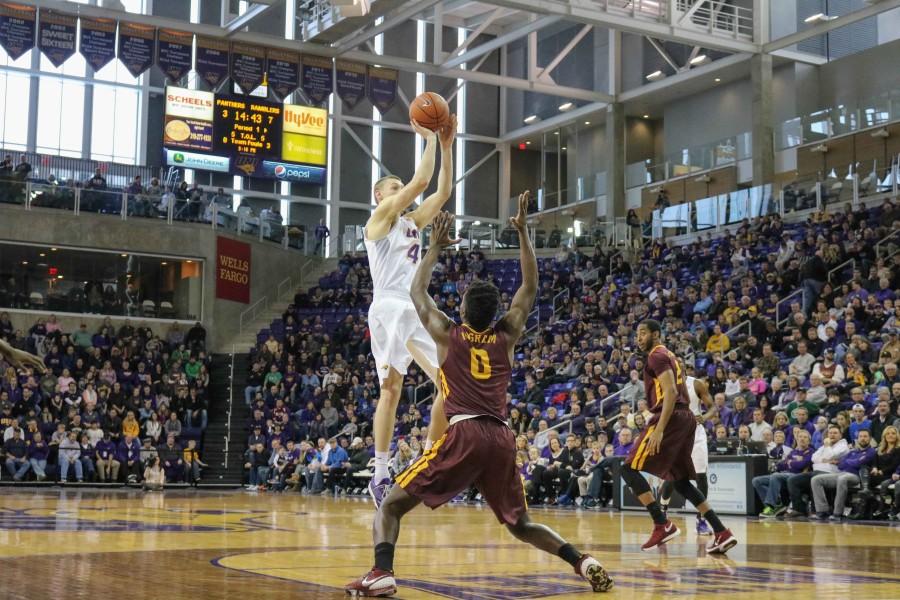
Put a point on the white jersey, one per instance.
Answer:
(692, 395)
(393, 259)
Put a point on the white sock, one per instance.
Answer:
(428, 445)
(381, 466)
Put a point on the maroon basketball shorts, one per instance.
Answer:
(479, 452)
(672, 461)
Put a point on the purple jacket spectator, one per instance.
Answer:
(38, 450)
(128, 452)
(623, 450)
(855, 459)
(796, 461)
(105, 449)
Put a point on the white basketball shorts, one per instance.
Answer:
(398, 336)
(700, 451)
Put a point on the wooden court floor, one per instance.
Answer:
(200, 544)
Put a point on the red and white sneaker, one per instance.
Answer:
(661, 534)
(721, 543)
(590, 569)
(374, 584)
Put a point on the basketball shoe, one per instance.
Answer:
(722, 542)
(590, 569)
(703, 527)
(379, 491)
(374, 584)
(661, 534)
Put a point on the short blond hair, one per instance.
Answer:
(380, 183)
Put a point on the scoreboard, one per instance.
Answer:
(244, 135)
(248, 127)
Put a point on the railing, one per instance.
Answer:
(839, 120)
(285, 286)
(248, 316)
(161, 206)
(738, 327)
(565, 294)
(840, 268)
(427, 383)
(778, 320)
(530, 330)
(568, 421)
(879, 246)
(230, 406)
(717, 16)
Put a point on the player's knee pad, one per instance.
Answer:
(635, 480)
(666, 490)
(689, 492)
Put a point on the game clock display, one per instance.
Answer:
(244, 135)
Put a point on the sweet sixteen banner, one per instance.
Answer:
(232, 270)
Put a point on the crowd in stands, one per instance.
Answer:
(110, 403)
(825, 357)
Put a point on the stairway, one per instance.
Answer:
(225, 460)
(243, 340)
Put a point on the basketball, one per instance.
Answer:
(429, 110)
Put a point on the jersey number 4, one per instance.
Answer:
(480, 363)
(413, 253)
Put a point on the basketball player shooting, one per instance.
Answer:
(478, 448)
(664, 448)
(19, 359)
(394, 248)
(698, 392)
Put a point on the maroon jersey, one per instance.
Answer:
(659, 361)
(476, 373)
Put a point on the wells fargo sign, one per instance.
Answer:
(232, 270)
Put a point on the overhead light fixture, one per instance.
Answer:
(818, 18)
(52, 249)
(881, 133)
(822, 148)
(646, 116)
(587, 122)
(59, 276)
(123, 255)
(164, 263)
(188, 261)
(703, 179)
(563, 147)
(566, 106)
(24, 262)
(700, 59)
(555, 133)
(656, 75)
(718, 80)
(476, 223)
(528, 143)
(531, 119)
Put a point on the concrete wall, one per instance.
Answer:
(270, 264)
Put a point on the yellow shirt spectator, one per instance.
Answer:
(718, 341)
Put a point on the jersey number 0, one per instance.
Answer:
(480, 363)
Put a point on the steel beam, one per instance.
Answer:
(867, 11)
(389, 22)
(346, 127)
(474, 167)
(502, 40)
(554, 122)
(593, 14)
(690, 12)
(563, 54)
(662, 52)
(486, 78)
(723, 64)
(253, 11)
(478, 31)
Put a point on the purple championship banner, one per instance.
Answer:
(212, 61)
(283, 72)
(17, 26)
(351, 82)
(248, 66)
(317, 77)
(136, 47)
(56, 36)
(174, 53)
(98, 42)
